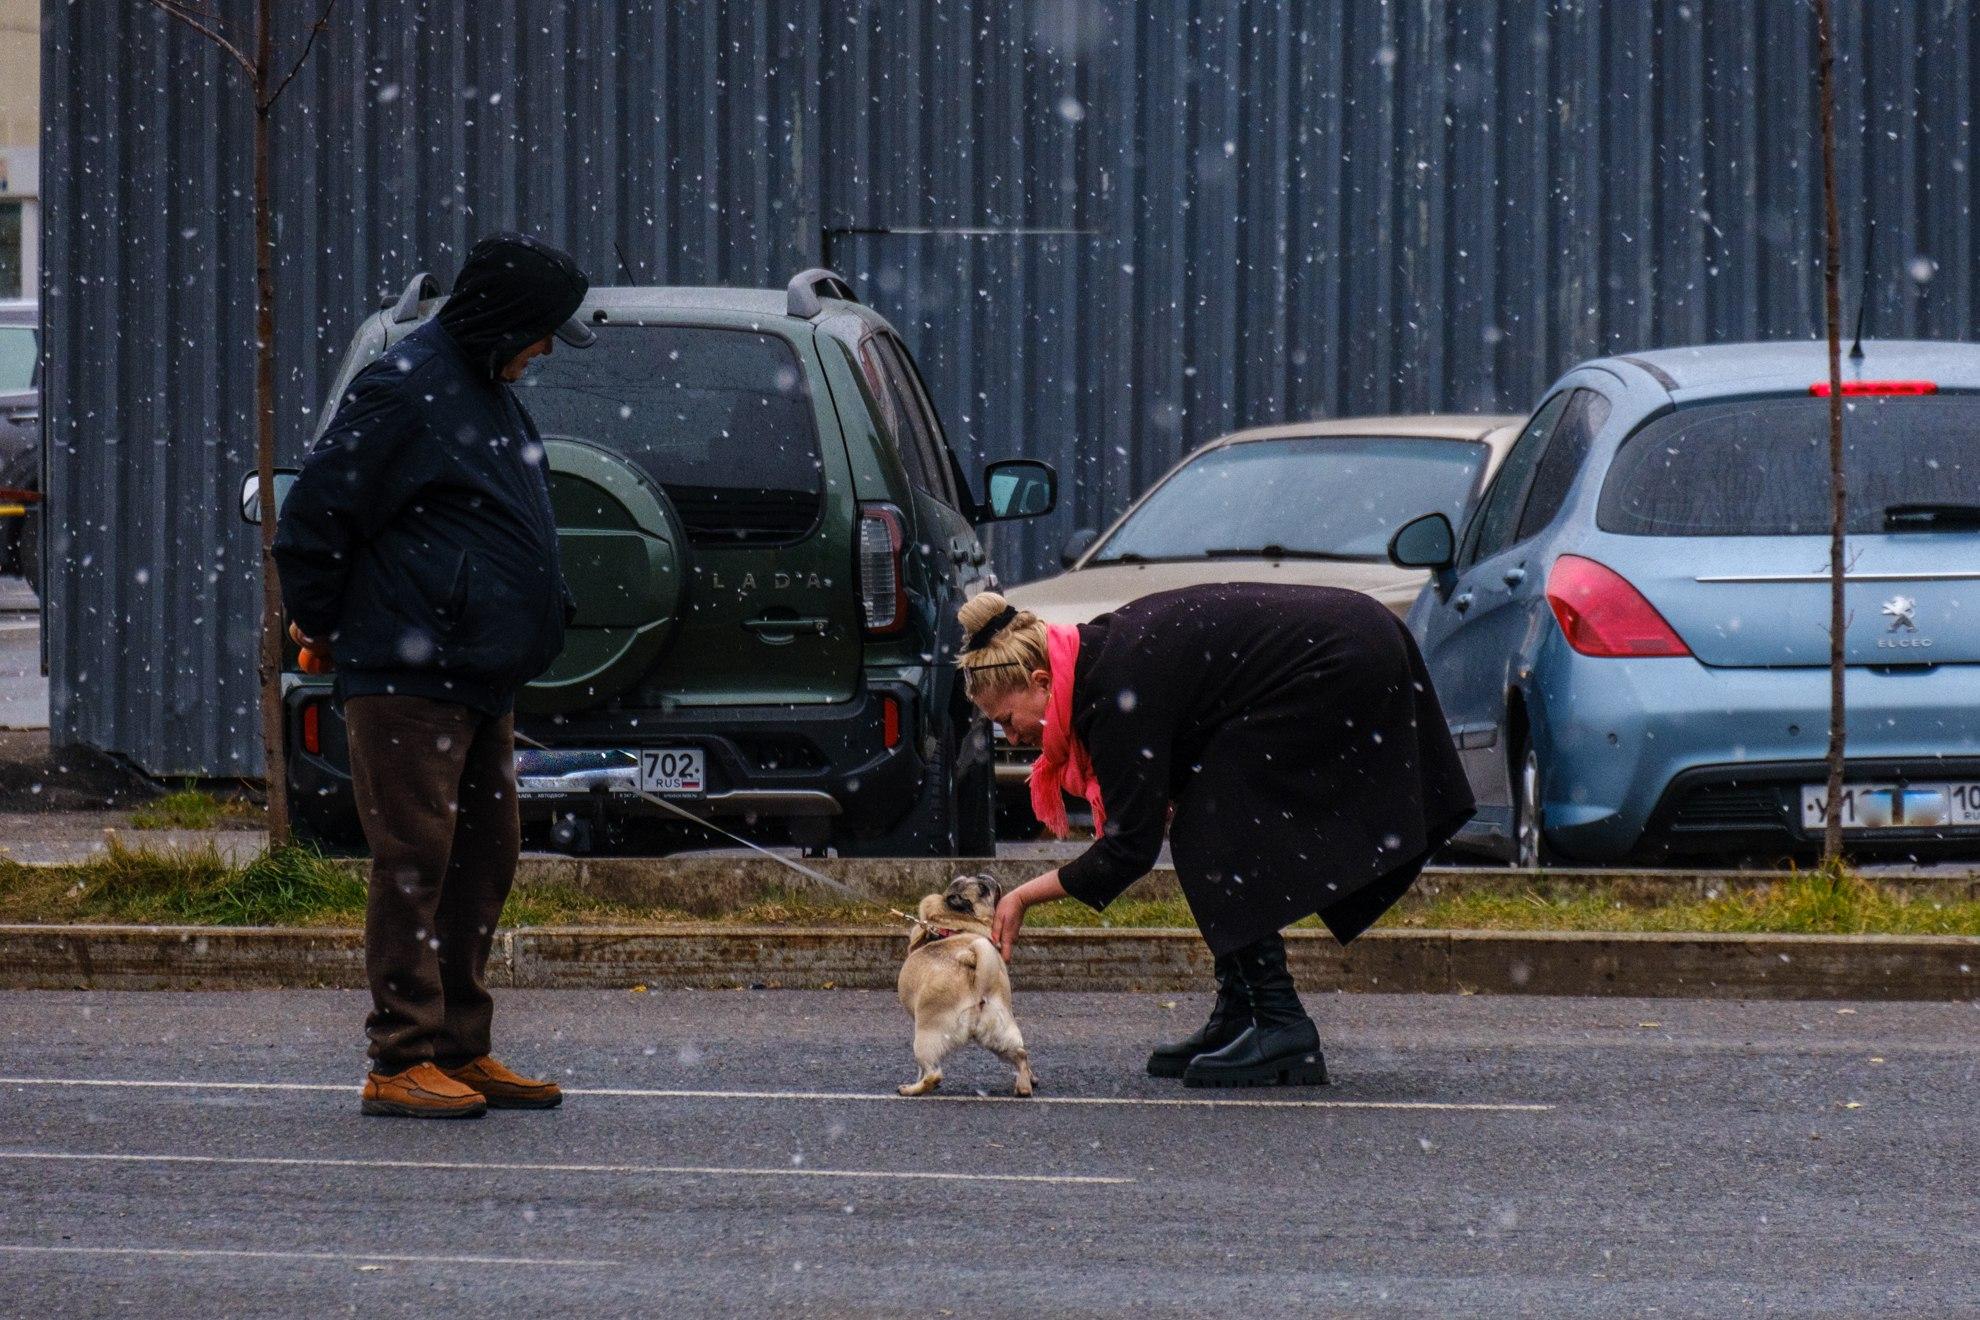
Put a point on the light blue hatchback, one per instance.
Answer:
(1630, 639)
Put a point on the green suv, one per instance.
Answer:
(768, 538)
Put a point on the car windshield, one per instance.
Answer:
(720, 418)
(1762, 468)
(1333, 497)
(17, 354)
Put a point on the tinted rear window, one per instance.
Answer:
(1762, 468)
(721, 419)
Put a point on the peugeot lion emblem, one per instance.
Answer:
(1902, 612)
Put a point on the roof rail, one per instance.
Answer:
(807, 287)
(418, 290)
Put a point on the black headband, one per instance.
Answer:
(981, 637)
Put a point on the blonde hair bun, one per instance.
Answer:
(1008, 655)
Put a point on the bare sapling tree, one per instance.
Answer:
(1838, 487)
(260, 75)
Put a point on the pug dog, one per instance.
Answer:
(955, 984)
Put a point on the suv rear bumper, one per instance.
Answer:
(791, 770)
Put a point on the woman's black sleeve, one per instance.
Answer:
(1130, 752)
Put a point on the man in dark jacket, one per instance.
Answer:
(418, 552)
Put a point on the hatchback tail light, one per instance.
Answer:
(882, 584)
(1820, 389)
(1600, 613)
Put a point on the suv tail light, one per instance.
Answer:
(882, 584)
(1600, 613)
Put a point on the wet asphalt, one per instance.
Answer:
(736, 1153)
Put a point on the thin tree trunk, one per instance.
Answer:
(1832, 301)
(274, 752)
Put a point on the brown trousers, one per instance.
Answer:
(436, 793)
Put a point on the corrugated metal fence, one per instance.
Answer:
(1111, 230)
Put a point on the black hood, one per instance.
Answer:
(512, 291)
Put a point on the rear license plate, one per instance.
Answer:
(672, 770)
(1890, 807)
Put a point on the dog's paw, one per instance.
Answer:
(923, 1086)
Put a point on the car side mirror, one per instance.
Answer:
(1018, 488)
(251, 493)
(1426, 542)
(1077, 544)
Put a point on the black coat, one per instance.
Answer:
(419, 539)
(1296, 733)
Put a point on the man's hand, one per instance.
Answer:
(315, 657)
(308, 643)
(1009, 919)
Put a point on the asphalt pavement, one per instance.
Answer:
(740, 1153)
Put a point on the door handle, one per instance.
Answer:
(1462, 602)
(766, 628)
(1514, 576)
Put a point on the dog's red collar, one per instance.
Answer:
(940, 933)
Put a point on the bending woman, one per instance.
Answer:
(1288, 740)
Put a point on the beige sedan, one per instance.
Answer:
(1312, 504)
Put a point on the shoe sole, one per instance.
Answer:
(392, 1109)
(518, 1102)
(1304, 1072)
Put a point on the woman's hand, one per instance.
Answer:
(1009, 920)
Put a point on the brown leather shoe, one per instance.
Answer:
(421, 1091)
(504, 1089)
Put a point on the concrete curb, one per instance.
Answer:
(1691, 966)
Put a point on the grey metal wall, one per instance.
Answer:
(1111, 230)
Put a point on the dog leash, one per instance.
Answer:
(689, 816)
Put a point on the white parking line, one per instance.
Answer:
(355, 1257)
(467, 1166)
(641, 1093)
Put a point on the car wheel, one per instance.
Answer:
(930, 827)
(976, 807)
(329, 834)
(1530, 848)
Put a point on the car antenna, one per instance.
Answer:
(1863, 298)
(624, 265)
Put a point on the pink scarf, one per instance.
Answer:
(1062, 766)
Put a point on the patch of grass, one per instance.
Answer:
(1830, 901)
(298, 886)
(288, 887)
(190, 809)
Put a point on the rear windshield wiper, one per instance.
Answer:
(1281, 552)
(1931, 517)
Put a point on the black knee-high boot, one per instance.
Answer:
(1282, 1046)
(1229, 1017)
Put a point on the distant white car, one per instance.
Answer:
(1313, 503)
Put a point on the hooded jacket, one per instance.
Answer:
(419, 539)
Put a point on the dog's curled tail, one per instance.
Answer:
(981, 957)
